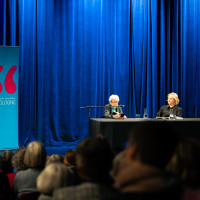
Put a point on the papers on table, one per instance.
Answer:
(168, 118)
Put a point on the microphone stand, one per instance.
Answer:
(89, 108)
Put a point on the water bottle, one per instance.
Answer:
(171, 115)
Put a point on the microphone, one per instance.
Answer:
(121, 105)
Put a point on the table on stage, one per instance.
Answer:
(117, 130)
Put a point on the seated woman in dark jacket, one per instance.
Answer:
(172, 108)
(112, 110)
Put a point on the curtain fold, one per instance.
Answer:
(77, 53)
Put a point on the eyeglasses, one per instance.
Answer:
(114, 102)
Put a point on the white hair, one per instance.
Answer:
(54, 176)
(113, 96)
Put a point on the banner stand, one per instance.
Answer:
(9, 85)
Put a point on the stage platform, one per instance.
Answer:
(117, 130)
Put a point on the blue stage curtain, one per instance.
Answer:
(78, 52)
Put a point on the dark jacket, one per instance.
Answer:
(86, 191)
(108, 111)
(165, 111)
(144, 182)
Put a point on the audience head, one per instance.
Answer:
(54, 176)
(186, 163)
(18, 159)
(118, 164)
(7, 155)
(94, 159)
(6, 158)
(103, 138)
(35, 155)
(151, 143)
(54, 158)
(69, 159)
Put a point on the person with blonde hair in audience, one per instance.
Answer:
(54, 158)
(54, 176)
(185, 163)
(35, 159)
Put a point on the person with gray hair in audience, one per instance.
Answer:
(54, 158)
(54, 176)
(35, 159)
(94, 160)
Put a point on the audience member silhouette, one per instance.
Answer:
(70, 161)
(17, 163)
(144, 176)
(54, 176)
(6, 165)
(35, 160)
(94, 160)
(185, 162)
(4, 183)
(54, 158)
(118, 164)
(69, 158)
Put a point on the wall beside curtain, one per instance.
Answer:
(77, 53)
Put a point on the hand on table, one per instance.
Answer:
(117, 116)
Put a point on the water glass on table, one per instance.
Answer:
(137, 116)
(145, 113)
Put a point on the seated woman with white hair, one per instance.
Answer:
(112, 110)
(54, 176)
(172, 108)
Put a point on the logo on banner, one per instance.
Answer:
(1, 87)
(9, 84)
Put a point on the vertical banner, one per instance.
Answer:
(9, 73)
